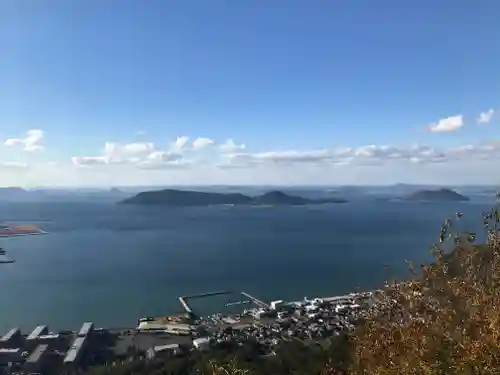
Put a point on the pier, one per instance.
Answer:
(237, 303)
(257, 301)
(210, 294)
(183, 300)
(185, 305)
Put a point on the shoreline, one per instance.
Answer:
(253, 307)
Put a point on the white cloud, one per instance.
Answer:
(13, 165)
(233, 156)
(145, 163)
(446, 125)
(31, 141)
(162, 160)
(369, 155)
(202, 142)
(88, 161)
(179, 144)
(230, 147)
(485, 117)
(116, 151)
(140, 155)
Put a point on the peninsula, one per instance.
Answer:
(436, 195)
(173, 197)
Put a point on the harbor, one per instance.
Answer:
(249, 299)
(266, 324)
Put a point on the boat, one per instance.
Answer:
(4, 257)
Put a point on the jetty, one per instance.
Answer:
(185, 305)
(209, 294)
(250, 299)
(183, 299)
(257, 301)
(237, 303)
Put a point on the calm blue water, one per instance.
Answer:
(112, 264)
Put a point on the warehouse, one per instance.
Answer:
(40, 330)
(35, 361)
(75, 352)
(54, 341)
(10, 355)
(175, 329)
(87, 327)
(11, 337)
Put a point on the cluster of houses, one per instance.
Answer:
(307, 320)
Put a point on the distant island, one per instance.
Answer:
(174, 197)
(436, 195)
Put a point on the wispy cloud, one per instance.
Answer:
(202, 142)
(485, 117)
(31, 142)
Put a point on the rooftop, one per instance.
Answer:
(37, 353)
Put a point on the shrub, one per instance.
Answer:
(446, 320)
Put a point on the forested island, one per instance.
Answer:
(174, 197)
(436, 195)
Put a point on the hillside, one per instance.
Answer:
(436, 195)
(173, 197)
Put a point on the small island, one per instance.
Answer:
(174, 197)
(440, 195)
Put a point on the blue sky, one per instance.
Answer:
(290, 80)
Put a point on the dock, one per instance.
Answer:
(183, 300)
(237, 303)
(185, 305)
(210, 294)
(257, 301)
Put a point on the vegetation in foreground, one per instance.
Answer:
(444, 321)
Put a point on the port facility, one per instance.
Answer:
(20, 230)
(249, 298)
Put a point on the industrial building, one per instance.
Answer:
(53, 341)
(172, 328)
(75, 352)
(11, 338)
(36, 360)
(86, 328)
(10, 356)
(40, 330)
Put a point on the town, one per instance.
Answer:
(66, 352)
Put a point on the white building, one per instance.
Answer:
(201, 343)
(276, 304)
(162, 350)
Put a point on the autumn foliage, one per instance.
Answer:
(446, 320)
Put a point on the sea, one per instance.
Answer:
(112, 264)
